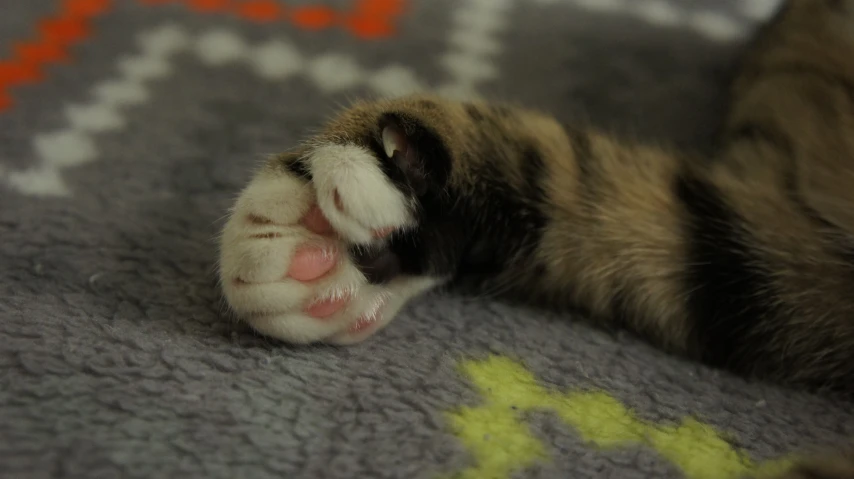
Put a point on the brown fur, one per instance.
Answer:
(616, 226)
(631, 233)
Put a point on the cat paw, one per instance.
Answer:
(292, 254)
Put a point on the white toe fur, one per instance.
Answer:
(258, 239)
(264, 231)
(280, 198)
(370, 200)
(258, 259)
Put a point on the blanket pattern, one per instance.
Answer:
(127, 127)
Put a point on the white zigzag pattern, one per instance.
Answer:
(664, 13)
(474, 43)
(275, 60)
(477, 25)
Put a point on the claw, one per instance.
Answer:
(393, 140)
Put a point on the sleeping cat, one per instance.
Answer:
(744, 261)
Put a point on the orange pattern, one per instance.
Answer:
(55, 35)
(368, 19)
(260, 10)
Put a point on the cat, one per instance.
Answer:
(744, 260)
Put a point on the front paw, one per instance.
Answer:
(301, 250)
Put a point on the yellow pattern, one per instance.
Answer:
(502, 444)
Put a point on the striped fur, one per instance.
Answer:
(744, 260)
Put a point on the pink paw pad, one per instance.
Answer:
(326, 307)
(311, 262)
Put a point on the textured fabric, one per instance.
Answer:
(126, 130)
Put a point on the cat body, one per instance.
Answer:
(744, 260)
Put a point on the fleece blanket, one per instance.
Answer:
(126, 130)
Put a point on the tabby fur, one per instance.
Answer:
(743, 260)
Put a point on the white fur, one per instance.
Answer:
(371, 201)
(390, 300)
(264, 231)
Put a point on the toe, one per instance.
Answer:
(312, 262)
(326, 307)
(362, 324)
(316, 221)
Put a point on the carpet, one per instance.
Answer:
(127, 129)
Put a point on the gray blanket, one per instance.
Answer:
(126, 130)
